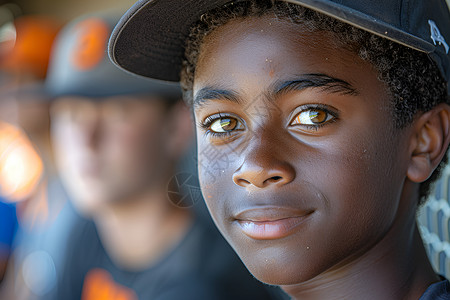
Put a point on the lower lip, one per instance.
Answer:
(271, 230)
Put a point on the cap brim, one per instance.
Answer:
(156, 49)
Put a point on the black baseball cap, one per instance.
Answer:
(79, 65)
(149, 39)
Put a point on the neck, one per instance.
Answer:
(139, 232)
(396, 267)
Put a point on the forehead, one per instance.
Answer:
(266, 48)
(75, 102)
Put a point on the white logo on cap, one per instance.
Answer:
(436, 35)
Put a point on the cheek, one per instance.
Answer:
(67, 145)
(215, 168)
(125, 140)
(363, 182)
(136, 154)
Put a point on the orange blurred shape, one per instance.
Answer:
(21, 167)
(31, 52)
(99, 285)
(90, 47)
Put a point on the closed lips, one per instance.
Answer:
(271, 222)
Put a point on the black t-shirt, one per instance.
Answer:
(201, 266)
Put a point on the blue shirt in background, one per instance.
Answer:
(8, 226)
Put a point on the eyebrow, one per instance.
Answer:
(327, 83)
(208, 93)
(316, 80)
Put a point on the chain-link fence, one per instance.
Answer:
(434, 223)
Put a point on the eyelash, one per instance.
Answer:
(318, 126)
(206, 125)
(321, 107)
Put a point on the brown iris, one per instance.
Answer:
(311, 117)
(228, 124)
(317, 116)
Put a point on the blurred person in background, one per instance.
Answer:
(27, 174)
(117, 141)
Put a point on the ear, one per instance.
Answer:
(181, 131)
(429, 143)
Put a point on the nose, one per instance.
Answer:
(92, 135)
(264, 166)
(253, 174)
(89, 126)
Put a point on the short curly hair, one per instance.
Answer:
(411, 77)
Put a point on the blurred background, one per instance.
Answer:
(67, 9)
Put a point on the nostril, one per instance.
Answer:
(252, 174)
(273, 179)
(242, 182)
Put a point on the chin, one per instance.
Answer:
(280, 265)
(89, 205)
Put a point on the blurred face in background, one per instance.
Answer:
(33, 114)
(111, 149)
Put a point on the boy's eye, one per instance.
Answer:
(226, 124)
(312, 116)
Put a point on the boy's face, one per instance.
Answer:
(110, 150)
(299, 162)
